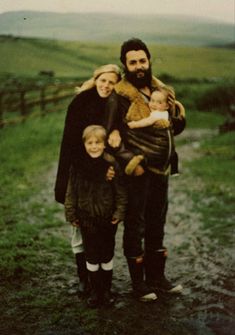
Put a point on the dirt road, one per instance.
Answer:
(206, 306)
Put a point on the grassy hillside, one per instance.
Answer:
(108, 27)
(27, 56)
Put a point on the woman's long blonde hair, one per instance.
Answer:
(90, 83)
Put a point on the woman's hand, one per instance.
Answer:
(139, 170)
(114, 221)
(171, 97)
(75, 223)
(114, 139)
(110, 173)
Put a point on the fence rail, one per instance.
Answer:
(18, 104)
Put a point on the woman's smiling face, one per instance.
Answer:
(105, 83)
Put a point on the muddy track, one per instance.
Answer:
(206, 305)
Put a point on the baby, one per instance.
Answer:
(159, 106)
(160, 118)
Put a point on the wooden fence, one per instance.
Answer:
(18, 104)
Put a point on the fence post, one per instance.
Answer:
(56, 94)
(22, 103)
(1, 110)
(42, 100)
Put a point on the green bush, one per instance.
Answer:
(220, 97)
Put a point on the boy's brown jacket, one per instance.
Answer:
(90, 197)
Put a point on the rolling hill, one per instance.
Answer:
(105, 27)
(26, 57)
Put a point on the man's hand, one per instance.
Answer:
(75, 223)
(171, 97)
(114, 221)
(110, 173)
(114, 139)
(139, 170)
(161, 124)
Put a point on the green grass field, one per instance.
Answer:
(27, 56)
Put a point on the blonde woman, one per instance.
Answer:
(90, 106)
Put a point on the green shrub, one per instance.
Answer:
(220, 97)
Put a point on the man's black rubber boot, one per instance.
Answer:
(155, 272)
(141, 291)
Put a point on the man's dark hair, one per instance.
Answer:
(133, 44)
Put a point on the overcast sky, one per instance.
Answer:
(222, 10)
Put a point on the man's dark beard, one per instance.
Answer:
(139, 82)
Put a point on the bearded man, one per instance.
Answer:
(147, 185)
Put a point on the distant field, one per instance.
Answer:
(27, 56)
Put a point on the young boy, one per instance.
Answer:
(96, 206)
(159, 113)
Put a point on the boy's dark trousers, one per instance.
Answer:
(99, 242)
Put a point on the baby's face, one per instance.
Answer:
(94, 146)
(158, 101)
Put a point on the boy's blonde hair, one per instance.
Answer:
(94, 130)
